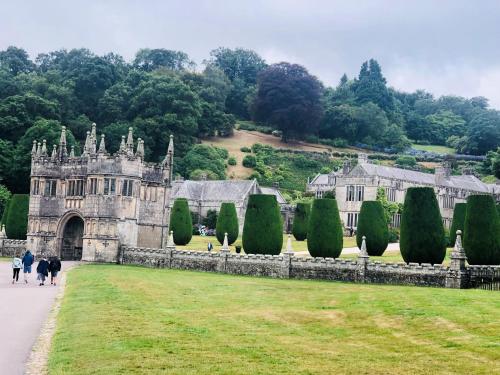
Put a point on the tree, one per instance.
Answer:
(263, 228)
(4, 199)
(238, 64)
(227, 222)
(16, 60)
(324, 232)
(390, 208)
(180, 222)
(151, 59)
(372, 224)
(206, 158)
(371, 86)
(210, 220)
(482, 231)
(301, 221)
(457, 222)
(16, 224)
(422, 233)
(483, 132)
(289, 98)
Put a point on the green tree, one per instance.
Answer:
(16, 223)
(301, 221)
(482, 231)
(151, 59)
(16, 60)
(483, 133)
(227, 222)
(263, 227)
(180, 222)
(422, 233)
(371, 86)
(372, 224)
(210, 220)
(4, 199)
(324, 233)
(206, 158)
(457, 222)
(390, 208)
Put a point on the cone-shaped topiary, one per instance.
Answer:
(481, 231)
(422, 233)
(373, 225)
(5, 213)
(263, 228)
(16, 224)
(498, 208)
(324, 232)
(301, 221)
(457, 222)
(227, 222)
(180, 222)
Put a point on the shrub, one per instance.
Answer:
(16, 223)
(245, 149)
(372, 224)
(481, 231)
(393, 235)
(422, 232)
(324, 232)
(181, 222)
(231, 160)
(227, 222)
(300, 221)
(263, 228)
(249, 161)
(406, 160)
(203, 174)
(210, 221)
(457, 222)
(5, 213)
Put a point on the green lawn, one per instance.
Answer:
(133, 320)
(434, 148)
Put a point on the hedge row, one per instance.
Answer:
(15, 217)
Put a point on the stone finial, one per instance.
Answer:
(140, 148)
(44, 148)
(2, 232)
(102, 145)
(289, 248)
(87, 147)
(225, 244)
(170, 240)
(130, 140)
(170, 152)
(93, 133)
(122, 145)
(63, 151)
(72, 152)
(93, 139)
(54, 152)
(458, 250)
(363, 253)
(39, 150)
(33, 149)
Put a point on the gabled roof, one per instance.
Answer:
(320, 179)
(273, 191)
(220, 190)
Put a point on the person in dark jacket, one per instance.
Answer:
(43, 270)
(27, 261)
(54, 268)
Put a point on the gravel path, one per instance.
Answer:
(23, 311)
(351, 250)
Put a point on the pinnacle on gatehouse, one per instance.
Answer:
(122, 145)
(93, 139)
(170, 151)
(39, 150)
(87, 147)
(63, 151)
(33, 149)
(140, 148)
(72, 152)
(54, 152)
(130, 139)
(102, 145)
(44, 147)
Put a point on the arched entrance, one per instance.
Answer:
(72, 239)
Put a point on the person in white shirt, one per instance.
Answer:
(16, 267)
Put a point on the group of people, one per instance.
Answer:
(44, 267)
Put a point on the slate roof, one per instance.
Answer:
(273, 191)
(220, 190)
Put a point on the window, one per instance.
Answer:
(109, 186)
(448, 202)
(93, 186)
(352, 219)
(319, 194)
(355, 193)
(127, 188)
(390, 194)
(50, 188)
(75, 188)
(36, 187)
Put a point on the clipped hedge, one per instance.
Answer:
(181, 222)
(481, 230)
(324, 232)
(227, 222)
(5, 212)
(263, 228)
(372, 224)
(301, 221)
(457, 222)
(16, 223)
(422, 238)
(249, 161)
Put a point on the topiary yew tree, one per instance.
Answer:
(324, 232)
(263, 228)
(181, 222)
(227, 222)
(481, 231)
(457, 222)
(301, 221)
(373, 225)
(16, 223)
(422, 238)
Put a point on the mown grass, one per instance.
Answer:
(434, 148)
(133, 320)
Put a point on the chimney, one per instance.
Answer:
(442, 173)
(346, 167)
(362, 158)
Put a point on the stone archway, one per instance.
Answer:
(71, 238)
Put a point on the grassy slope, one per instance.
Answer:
(434, 148)
(132, 320)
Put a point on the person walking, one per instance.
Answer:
(54, 268)
(16, 267)
(43, 270)
(27, 261)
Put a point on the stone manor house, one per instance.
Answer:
(86, 207)
(354, 185)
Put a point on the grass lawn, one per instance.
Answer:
(434, 148)
(133, 320)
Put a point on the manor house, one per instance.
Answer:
(87, 206)
(352, 186)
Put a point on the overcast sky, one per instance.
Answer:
(443, 46)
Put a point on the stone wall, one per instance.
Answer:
(9, 248)
(287, 266)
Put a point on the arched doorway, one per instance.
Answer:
(72, 239)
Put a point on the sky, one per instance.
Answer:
(442, 46)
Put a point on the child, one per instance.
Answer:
(16, 267)
(43, 270)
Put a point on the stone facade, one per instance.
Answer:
(352, 186)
